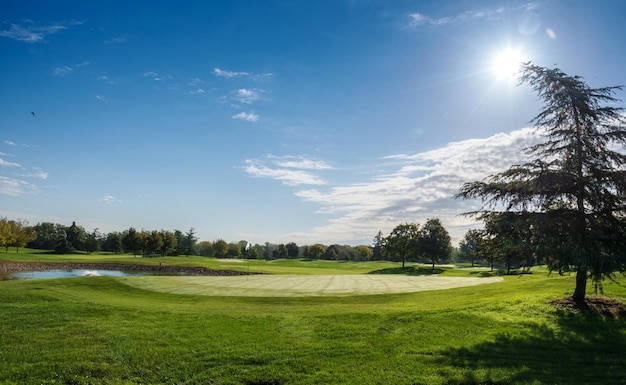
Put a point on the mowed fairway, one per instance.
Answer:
(299, 286)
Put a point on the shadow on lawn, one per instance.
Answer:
(410, 270)
(585, 348)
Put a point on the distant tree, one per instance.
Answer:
(93, 241)
(47, 236)
(153, 242)
(205, 249)
(379, 242)
(169, 243)
(190, 242)
(281, 251)
(234, 250)
(403, 242)
(573, 193)
(132, 241)
(76, 236)
(20, 234)
(220, 248)
(332, 253)
(365, 253)
(317, 250)
(113, 243)
(6, 237)
(434, 241)
(292, 250)
(468, 246)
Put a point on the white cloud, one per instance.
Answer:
(5, 163)
(37, 173)
(250, 117)
(31, 32)
(15, 187)
(299, 162)
(102, 98)
(412, 188)
(228, 74)
(10, 143)
(108, 199)
(247, 96)
(66, 70)
(416, 19)
(232, 74)
(287, 176)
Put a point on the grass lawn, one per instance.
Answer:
(111, 330)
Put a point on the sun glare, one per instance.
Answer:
(505, 64)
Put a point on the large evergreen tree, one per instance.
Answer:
(572, 195)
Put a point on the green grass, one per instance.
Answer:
(99, 330)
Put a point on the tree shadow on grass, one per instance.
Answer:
(409, 270)
(585, 348)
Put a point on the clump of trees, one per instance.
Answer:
(15, 233)
(412, 242)
(567, 206)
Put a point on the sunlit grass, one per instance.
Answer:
(103, 330)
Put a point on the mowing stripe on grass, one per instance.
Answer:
(300, 285)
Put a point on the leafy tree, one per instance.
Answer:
(76, 236)
(234, 250)
(47, 235)
(18, 234)
(403, 242)
(292, 250)
(281, 251)
(6, 234)
(572, 195)
(190, 242)
(92, 242)
(365, 253)
(220, 248)
(132, 241)
(153, 242)
(332, 253)
(379, 242)
(113, 242)
(468, 246)
(205, 248)
(434, 241)
(169, 243)
(317, 250)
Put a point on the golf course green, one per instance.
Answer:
(305, 322)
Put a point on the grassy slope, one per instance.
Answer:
(100, 331)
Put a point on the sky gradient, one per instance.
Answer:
(280, 120)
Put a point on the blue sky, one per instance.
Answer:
(280, 120)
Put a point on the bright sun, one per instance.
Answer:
(505, 64)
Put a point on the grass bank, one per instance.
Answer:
(100, 330)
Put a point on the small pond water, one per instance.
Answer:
(70, 273)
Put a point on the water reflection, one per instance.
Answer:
(48, 274)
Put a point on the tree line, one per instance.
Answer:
(428, 243)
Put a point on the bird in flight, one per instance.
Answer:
(32, 113)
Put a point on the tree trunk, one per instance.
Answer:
(581, 285)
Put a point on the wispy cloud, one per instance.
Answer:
(234, 74)
(116, 40)
(10, 143)
(291, 171)
(299, 162)
(417, 19)
(108, 199)
(16, 187)
(155, 76)
(249, 117)
(31, 32)
(247, 95)
(4, 163)
(411, 187)
(66, 70)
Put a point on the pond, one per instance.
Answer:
(47, 274)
